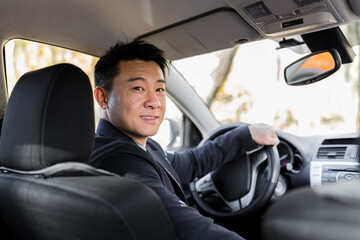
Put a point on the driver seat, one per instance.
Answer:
(47, 189)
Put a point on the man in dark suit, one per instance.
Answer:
(130, 89)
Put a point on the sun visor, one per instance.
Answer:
(206, 33)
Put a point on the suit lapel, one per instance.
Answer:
(153, 154)
(160, 158)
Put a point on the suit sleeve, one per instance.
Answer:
(210, 156)
(188, 223)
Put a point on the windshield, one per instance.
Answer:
(246, 84)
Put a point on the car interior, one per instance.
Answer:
(305, 188)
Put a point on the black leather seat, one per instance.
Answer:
(47, 191)
(329, 212)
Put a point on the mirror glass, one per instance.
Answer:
(313, 67)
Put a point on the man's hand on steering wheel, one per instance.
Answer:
(263, 134)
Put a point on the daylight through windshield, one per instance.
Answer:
(246, 84)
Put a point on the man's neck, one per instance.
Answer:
(140, 141)
(143, 146)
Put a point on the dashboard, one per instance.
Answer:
(316, 160)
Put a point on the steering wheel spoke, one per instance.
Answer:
(206, 185)
(234, 205)
(257, 157)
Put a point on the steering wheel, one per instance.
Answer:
(239, 187)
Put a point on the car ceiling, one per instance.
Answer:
(182, 28)
(91, 25)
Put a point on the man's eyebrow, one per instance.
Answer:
(132, 79)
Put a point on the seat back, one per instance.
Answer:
(47, 189)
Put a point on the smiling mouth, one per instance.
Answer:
(149, 118)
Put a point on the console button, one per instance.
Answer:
(349, 177)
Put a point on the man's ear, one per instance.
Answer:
(100, 95)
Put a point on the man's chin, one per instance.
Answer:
(149, 132)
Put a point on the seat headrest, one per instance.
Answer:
(49, 119)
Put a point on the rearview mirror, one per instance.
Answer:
(313, 67)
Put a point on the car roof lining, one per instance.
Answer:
(119, 23)
(97, 31)
(195, 36)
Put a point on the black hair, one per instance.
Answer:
(107, 66)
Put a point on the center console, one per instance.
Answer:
(336, 160)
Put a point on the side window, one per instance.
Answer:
(22, 56)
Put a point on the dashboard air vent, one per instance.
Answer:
(331, 152)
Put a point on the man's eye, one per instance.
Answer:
(160, 90)
(138, 88)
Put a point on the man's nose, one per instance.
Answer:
(152, 100)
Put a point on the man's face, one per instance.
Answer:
(136, 103)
